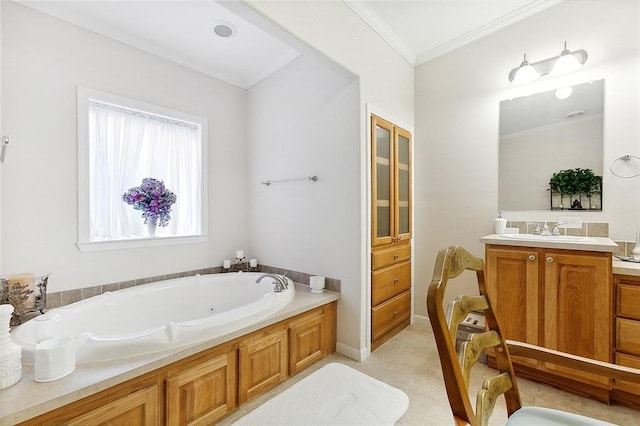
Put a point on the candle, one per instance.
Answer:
(239, 254)
(26, 282)
(253, 263)
(317, 284)
(226, 264)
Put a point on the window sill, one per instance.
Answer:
(140, 242)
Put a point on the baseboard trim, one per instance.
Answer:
(351, 352)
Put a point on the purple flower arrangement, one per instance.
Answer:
(153, 198)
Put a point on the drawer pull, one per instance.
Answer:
(532, 257)
(549, 259)
(395, 280)
(395, 256)
(395, 313)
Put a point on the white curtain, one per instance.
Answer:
(126, 146)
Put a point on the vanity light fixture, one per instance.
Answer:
(566, 62)
(525, 73)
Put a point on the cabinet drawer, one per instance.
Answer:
(628, 301)
(389, 282)
(628, 336)
(390, 314)
(390, 256)
(628, 361)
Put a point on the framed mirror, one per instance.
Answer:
(545, 133)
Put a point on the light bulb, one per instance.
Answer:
(525, 73)
(565, 63)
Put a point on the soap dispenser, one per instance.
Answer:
(499, 224)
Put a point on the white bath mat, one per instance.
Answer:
(333, 395)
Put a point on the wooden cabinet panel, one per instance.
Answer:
(262, 363)
(138, 408)
(305, 342)
(512, 284)
(389, 282)
(628, 300)
(202, 393)
(628, 336)
(578, 309)
(627, 361)
(390, 314)
(390, 256)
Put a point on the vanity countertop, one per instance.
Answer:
(600, 244)
(27, 399)
(626, 268)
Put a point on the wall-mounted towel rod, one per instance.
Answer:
(3, 149)
(624, 158)
(269, 182)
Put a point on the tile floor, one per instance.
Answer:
(410, 362)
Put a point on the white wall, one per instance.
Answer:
(44, 61)
(303, 121)
(386, 83)
(457, 106)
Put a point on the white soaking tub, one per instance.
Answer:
(157, 316)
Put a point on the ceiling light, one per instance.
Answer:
(525, 72)
(566, 62)
(223, 29)
(564, 92)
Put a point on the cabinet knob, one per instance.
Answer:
(532, 257)
(395, 280)
(395, 256)
(395, 313)
(549, 259)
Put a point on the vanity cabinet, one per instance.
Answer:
(559, 299)
(391, 230)
(627, 333)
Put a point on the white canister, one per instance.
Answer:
(317, 284)
(55, 359)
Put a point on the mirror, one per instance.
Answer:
(544, 133)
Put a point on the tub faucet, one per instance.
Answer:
(280, 281)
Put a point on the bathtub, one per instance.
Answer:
(155, 317)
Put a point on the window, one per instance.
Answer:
(121, 142)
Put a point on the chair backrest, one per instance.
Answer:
(456, 368)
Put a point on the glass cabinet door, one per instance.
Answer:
(403, 184)
(382, 181)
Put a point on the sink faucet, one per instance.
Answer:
(280, 282)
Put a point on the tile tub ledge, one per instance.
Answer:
(600, 244)
(28, 399)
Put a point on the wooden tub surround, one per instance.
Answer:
(196, 385)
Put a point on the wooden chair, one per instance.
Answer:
(456, 368)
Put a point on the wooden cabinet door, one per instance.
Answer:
(382, 182)
(305, 342)
(202, 393)
(578, 308)
(513, 287)
(138, 408)
(262, 363)
(402, 184)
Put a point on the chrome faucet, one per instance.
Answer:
(281, 283)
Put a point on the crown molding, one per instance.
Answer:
(383, 30)
(388, 35)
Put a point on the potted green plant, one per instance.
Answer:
(575, 182)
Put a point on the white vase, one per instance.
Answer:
(10, 353)
(151, 228)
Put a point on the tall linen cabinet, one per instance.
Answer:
(391, 229)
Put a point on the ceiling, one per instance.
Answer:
(182, 31)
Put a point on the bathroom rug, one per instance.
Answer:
(334, 395)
